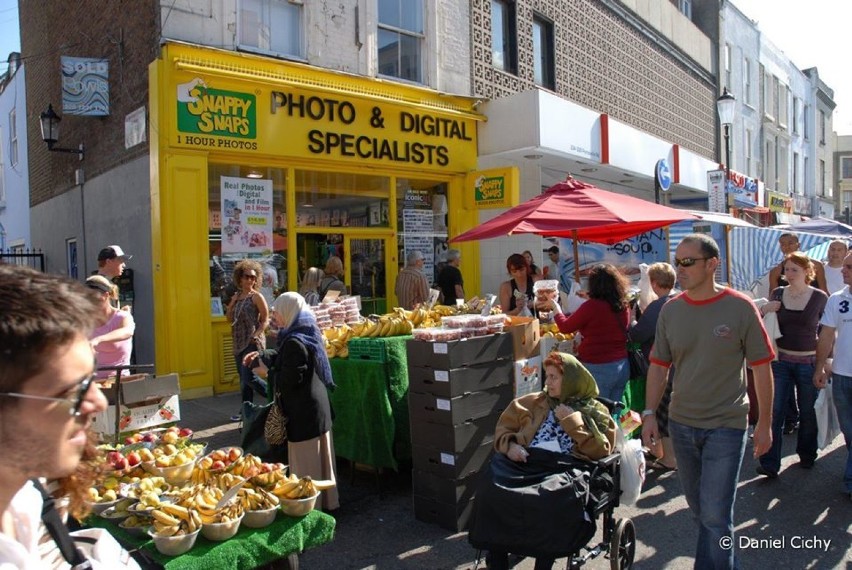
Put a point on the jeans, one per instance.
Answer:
(248, 381)
(708, 462)
(611, 378)
(792, 377)
(841, 389)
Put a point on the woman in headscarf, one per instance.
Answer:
(299, 375)
(565, 418)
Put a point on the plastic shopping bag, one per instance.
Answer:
(632, 467)
(646, 292)
(828, 426)
(574, 300)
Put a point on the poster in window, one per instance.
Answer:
(246, 215)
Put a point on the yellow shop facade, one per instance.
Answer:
(288, 164)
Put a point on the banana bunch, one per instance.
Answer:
(246, 466)
(444, 310)
(337, 348)
(253, 499)
(200, 476)
(342, 333)
(300, 487)
(175, 520)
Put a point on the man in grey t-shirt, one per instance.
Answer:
(706, 333)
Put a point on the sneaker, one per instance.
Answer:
(761, 470)
(236, 417)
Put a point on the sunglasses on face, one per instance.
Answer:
(250, 276)
(74, 404)
(687, 261)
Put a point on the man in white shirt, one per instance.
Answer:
(48, 399)
(837, 331)
(837, 251)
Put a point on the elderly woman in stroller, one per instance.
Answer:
(532, 499)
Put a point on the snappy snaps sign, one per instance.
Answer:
(204, 113)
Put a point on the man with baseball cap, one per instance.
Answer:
(112, 261)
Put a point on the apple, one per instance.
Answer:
(170, 437)
(218, 455)
(129, 440)
(149, 437)
(120, 463)
(185, 432)
(217, 465)
(133, 458)
(163, 461)
(112, 456)
(234, 453)
(172, 428)
(146, 455)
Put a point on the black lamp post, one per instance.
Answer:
(726, 105)
(50, 132)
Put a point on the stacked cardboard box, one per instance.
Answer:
(457, 391)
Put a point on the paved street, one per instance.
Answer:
(382, 533)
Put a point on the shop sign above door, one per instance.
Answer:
(218, 114)
(493, 188)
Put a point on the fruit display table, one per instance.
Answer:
(250, 548)
(371, 407)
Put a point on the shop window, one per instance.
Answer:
(401, 37)
(247, 220)
(271, 26)
(543, 52)
(339, 200)
(846, 167)
(504, 36)
(422, 208)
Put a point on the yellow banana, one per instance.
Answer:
(176, 510)
(165, 530)
(164, 518)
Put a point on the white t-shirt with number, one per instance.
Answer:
(838, 315)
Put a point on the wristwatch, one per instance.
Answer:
(648, 412)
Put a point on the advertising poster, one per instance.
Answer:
(627, 255)
(246, 215)
(85, 86)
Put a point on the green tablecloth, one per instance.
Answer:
(250, 547)
(371, 407)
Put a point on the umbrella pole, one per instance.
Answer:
(576, 258)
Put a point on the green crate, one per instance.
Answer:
(368, 349)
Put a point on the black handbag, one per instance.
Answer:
(636, 358)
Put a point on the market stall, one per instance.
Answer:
(249, 548)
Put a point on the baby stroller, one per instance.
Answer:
(549, 508)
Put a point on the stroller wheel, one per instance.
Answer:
(622, 545)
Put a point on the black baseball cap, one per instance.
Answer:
(111, 252)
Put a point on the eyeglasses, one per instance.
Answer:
(688, 261)
(250, 276)
(75, 403)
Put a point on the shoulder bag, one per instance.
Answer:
(275, 428)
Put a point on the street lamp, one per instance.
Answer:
(726, 105)
(50, 132)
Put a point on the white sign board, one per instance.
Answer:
(246, 215)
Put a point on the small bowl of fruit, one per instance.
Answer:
(118, 512)
(221, 460)
(102, 499)
(136, 525)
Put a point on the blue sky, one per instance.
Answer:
(810, 34)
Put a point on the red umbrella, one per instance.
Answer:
(577, 210)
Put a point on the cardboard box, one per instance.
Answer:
(147, 401)
(454, 411)
(454, 517)
(450, 464)
(141, 388)
(457, 353)
(140, 415)
(452, 491)
(444, 436)
(457, 381)
(525, 336)
(529, 376)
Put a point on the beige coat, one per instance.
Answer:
(520, 421)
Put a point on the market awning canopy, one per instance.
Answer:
(577, 210)
(822, 226)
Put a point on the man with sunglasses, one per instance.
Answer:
(47, 399)
(706, 333)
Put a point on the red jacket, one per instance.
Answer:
(604, 332)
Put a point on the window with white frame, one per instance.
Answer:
(795, 181)
(821, 127)
(13, 139)
(769, 171)
(728, 83)
(504, 41)
(847, 201)
(806, 111)
(544, 68)
(783, 94)
(768, 95)
(746, 81)
(271, 26)
(748, 142)
(795, 120)
(805, 167)
(783, 169)
(401, 37)
(822, 178)
(846, 167)
(685, 7)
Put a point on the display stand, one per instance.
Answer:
(133, 368)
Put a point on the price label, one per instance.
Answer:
(442, 376)
(448, 459)
(443, 404)
(439, 348)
